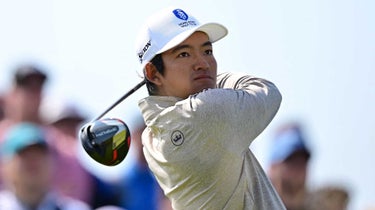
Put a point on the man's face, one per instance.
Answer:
(27, 97)
(289, 179)
(30, 169)
(29, 173)
(190, 67)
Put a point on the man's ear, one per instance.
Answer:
(152, 74)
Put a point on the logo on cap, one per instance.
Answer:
(179, 13)
(144, 50)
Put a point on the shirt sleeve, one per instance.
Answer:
(237, 111)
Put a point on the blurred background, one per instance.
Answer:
(320, 53)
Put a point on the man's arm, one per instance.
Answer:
(263, 97)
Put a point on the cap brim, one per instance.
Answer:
(215, 32)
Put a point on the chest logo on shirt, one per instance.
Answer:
(177, 138)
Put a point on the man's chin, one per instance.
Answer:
(206, 85)
(203, 88)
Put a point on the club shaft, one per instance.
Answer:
(135, 88)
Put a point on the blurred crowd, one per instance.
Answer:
(289, 159)
(40, 167)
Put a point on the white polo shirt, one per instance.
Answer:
(198, 148)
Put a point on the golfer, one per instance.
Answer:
(200, 124)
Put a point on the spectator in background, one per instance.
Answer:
(22, 101)
(329, 197)
(140, 190)
(71, 178)
(28, 171)
(288, 169)
(63, 115)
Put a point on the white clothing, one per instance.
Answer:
(198, 148)
(51, 202)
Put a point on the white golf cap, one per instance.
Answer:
(168, 28)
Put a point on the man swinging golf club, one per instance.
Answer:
(200, 124)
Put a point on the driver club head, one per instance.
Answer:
(107, 141)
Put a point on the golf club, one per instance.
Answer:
(107, 141)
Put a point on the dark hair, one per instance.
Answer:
(23, 74)
(157, 61)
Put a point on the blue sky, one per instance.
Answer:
(320, 53)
